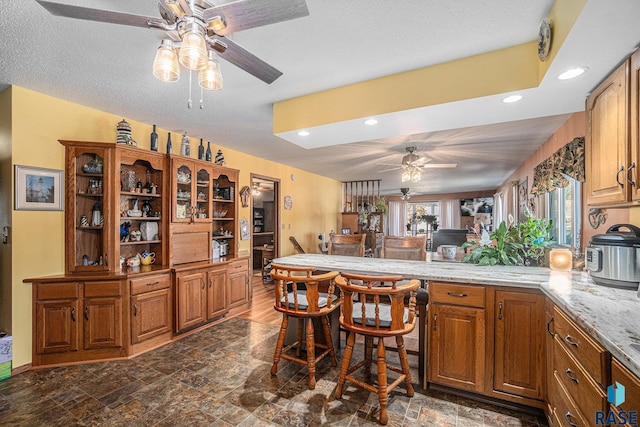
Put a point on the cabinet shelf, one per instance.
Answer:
(183, 199)
(128, 193)
(222, 200)
(141, 242)
(222, 237)
(140, 218)
(89, 174)
(96, 195)
(89, 228)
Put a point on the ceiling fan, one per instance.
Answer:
(414, 161)
(182, 17)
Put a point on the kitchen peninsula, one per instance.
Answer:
(604, 318)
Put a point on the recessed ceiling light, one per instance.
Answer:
(512, 98)
(303, 133)
(572, 72)
(371, 122)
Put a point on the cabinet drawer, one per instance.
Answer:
(565, 412)
(57, 291)
(447, 293)
(149, 283)
(111, 288)
(589, 353)
(631, 384)
(588, 395)
(238, 266)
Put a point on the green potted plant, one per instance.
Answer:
(380, 204)
(513, 244)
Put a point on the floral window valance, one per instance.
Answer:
(568, 161)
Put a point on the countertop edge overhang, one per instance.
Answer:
(610, 315)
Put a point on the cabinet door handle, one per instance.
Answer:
(435, 320)
(569, 375)
(153, 283)
(500, 310)
(451, 294)
(135, 309)
(210, 283)
(621, 184)
(73, 314)
(630, 179)
(86, 312)
(568, 417)
(549, 326)
(569, 340)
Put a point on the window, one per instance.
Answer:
(564, 211)
(420, 209)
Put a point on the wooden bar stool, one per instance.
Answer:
(299, 294)
(376, 312)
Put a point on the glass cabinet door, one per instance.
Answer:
(203, 195)
(183, 189)
(87, 202)
(224, 212)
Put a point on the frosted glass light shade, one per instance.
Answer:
(165, 64)
(415, 175)
(210, 77)
(560, 259)
(193, 52)
(406, 175)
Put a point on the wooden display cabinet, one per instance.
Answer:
(225, 208)
(89, 245)
(190, 190)
(142, 207)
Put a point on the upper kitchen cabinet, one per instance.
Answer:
(190, 190)
(609, 173)
(634, 76)
(89, 244)
(613, 138)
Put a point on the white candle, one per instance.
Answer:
(560, 259)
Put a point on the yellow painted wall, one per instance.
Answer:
(39, 121)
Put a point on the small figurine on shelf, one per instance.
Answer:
(83, 221)
(220, 158)
(146, 208)
(124, 133)
(96, 215)
(185, 147)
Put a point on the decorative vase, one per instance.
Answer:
(169, 143)
(200, 150)
(185, 148)
(154, 140)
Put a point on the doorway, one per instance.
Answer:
(265, 217)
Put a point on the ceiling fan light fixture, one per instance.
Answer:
(217, 24)
(210, 78)
(165, 64)
(193, 52)
(406, 175)
(415, 175)
(405, 194)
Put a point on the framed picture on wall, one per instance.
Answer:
(38, 189)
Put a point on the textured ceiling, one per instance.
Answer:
(108, 67)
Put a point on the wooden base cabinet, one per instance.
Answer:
(150, 307)
(238, 283)
(78, 321)
(487, 340)
(518, 346)
(191, 301)
(457, 328)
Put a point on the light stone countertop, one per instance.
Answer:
(610, 315)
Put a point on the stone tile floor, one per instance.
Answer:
(220, 377)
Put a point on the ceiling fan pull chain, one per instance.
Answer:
(189, 102)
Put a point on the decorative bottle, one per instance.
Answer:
(147, 186)
(200, 150)
(208, 155)
(154, 139)
(169, 143)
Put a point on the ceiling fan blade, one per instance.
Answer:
(166, 12)
(391, 169)
(242, 58)
(440, 165)
(245, 14)
(98, 15)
